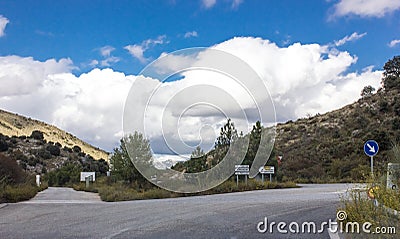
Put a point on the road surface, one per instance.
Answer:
(65, 213)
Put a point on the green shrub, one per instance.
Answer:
(38, 135)
(16, 193)
(53, 150)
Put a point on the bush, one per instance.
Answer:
(77, 149)
(53, 150)
(18, 193)
(10, 171)
(66, 175)
(38, 135)
(3, 145)
(44, 154)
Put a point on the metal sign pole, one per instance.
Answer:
(262, 176)
(237, 180)
(372, 166)
(270, 177)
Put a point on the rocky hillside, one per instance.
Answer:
(17, 125)
(329, 147)
(36, 155)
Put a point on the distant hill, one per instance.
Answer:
(17, 125)
(329, 147)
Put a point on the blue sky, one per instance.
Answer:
(78, 29)
(72, 63)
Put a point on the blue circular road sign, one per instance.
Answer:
(371, 148)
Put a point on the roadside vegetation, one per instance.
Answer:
(377, 203)
(122, 191)
(15, 184)
(126, 183)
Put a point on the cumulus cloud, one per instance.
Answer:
(393, 43)
(190, 34)
(305, 78)
(302, 79)
(88, 105)
(138, 50)
(353, 37)
(365, 8)
(3, 23)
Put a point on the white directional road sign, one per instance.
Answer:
(242, 169)
(267, 170)
(84, 175)
(371, 148)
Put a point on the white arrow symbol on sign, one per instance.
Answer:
(371, 148)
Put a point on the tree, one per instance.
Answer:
(227, 135)
(137, 147)
(198, 152)
(254, 142)
(69, 173)
(367, 91)
(391, 74)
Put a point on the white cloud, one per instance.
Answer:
(365, 8)
(208, 3)
(93, 63)
(353, 37)
(3, 23)
(191, 34)
(138, 50)
(107, 60)
(393, 43)
(89, 105)
(302, 78)
(106, 50)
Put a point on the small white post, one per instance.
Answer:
(38, 180)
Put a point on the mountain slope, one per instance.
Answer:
(329, 147)
(17, 125)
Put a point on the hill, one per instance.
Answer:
(329, 147)
(17, 125)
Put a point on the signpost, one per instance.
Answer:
(241, 170)
(371, 148)
(87, 177)
(267, 170)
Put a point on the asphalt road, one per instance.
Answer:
(65, 213)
